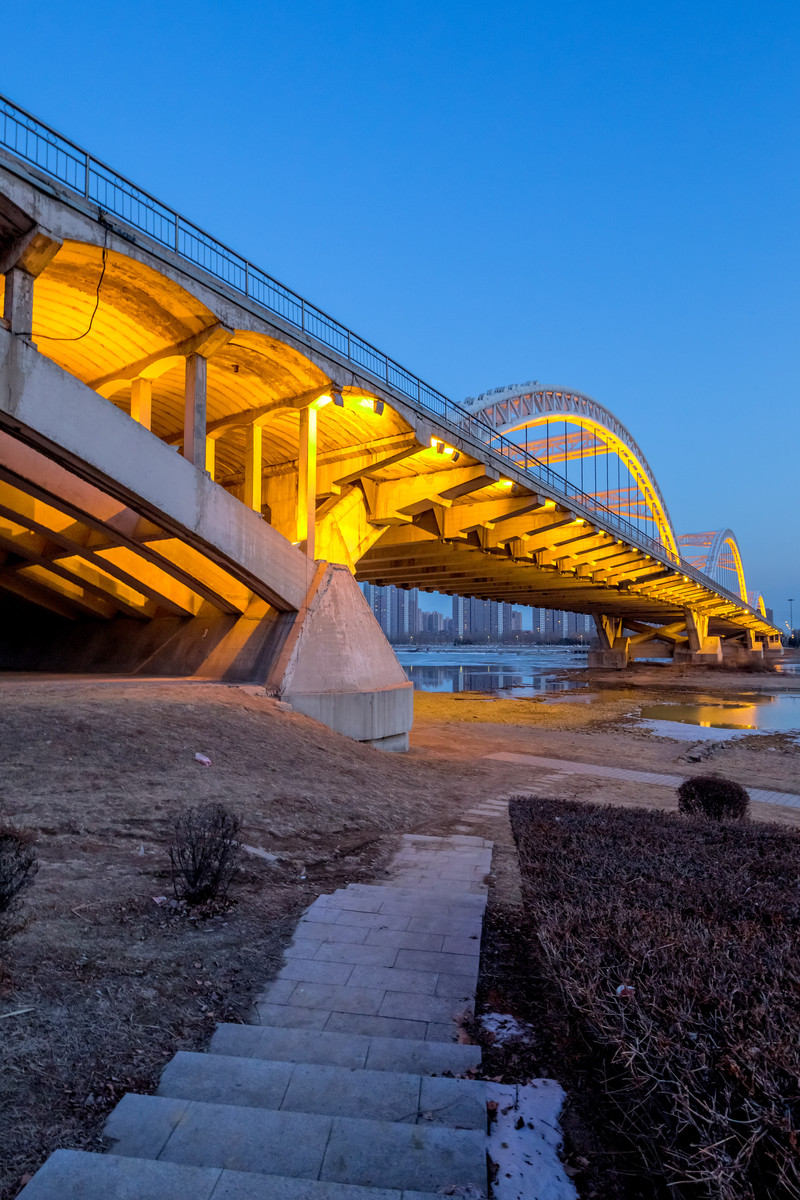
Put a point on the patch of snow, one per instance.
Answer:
(524, 1142)
(504, 1027)
(260, 852)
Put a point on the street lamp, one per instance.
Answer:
(791, 618)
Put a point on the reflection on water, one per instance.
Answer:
(748, 710)
(516, 673)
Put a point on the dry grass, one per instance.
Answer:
(674, 943)
(537, 711)
(115, 982)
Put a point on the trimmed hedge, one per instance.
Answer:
(714, 797)
(675, 944)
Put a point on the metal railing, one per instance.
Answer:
(36, 143)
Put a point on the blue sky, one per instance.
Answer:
(602, 196)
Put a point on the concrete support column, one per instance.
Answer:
(211, 456)
(252, 468)
(18, 301)
(142, 402)
(697, 628)
(194, 414)
(307, 480)
(700, 649)
(21, 263)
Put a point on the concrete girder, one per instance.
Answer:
(92, 511)
(43, 597)
(370, 469)
(34, 548)
(205, 343)
(84, 599)
(504, 510)
(344, 529)
(31, 252)
(561, 549)
(259, 415)
(411, 495)
(85, 581)
(665, 633)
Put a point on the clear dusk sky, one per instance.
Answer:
(599, 195)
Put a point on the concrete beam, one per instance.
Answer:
(95, 441)
(205, 343)
(31, 252)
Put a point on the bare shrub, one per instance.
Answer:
(18, 865)
(673, 942)
(205, 853)
(713, 796)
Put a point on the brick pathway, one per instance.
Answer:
(596, 771)
(350, 1084)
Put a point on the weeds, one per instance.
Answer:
(205, 853)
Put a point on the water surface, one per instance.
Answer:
(728, 715)
(526, 672)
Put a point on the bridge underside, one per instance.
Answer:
(189, 485)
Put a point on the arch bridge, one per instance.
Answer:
(196, 465)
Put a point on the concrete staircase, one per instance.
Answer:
(348, 1085)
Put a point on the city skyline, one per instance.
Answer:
(402, 618)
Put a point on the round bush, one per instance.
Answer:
(714, 797)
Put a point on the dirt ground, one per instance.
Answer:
(114, 983)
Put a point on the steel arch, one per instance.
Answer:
(715, 541)
(524, 405)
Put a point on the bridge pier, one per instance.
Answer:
(338, 667)
(701, 650)
(612, 654)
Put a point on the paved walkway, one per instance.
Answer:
(565, 766)
(350, 1084)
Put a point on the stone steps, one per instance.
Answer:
(323, 1089)
(352, 1050)
(296, 1145)
(346, 1086)
(78, 1175)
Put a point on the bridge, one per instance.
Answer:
(197, 465)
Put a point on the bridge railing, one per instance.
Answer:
(34, 142)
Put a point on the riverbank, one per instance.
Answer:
(113, 983)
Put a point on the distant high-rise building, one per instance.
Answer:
(396, 610)
(480, 620)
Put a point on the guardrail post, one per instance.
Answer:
(303, 315)
(86, 179)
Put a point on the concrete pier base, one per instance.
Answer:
(611, 660)
(341, 670)
(709, 654)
